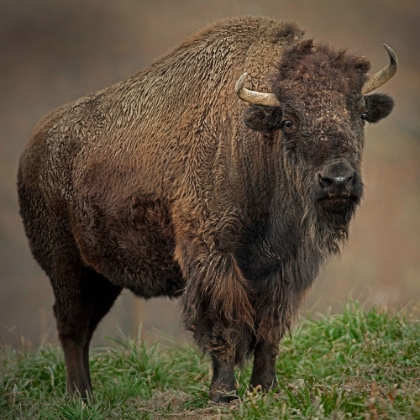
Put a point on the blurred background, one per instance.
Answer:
(55, 52)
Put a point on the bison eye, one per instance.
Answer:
(288, 126)
(364, 116)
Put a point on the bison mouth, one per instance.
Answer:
(338, 204)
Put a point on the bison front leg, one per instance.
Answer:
(223, 385)
(221, 342)
(271, 329)
(217, 309)
(264, 370)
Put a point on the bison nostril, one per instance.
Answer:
(325, 181)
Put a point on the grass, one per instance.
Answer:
(361, 365)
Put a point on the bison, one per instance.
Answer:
(181, 182)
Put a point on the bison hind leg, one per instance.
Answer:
(83, 297)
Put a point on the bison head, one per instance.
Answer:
(319, 104)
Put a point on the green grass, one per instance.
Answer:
(361, 365)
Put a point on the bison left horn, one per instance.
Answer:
(258, 98)
(382, 76)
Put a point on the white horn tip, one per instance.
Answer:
(392, 54)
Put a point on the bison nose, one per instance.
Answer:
(336, 177)
(335, 181)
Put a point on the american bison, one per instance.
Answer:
(181, 182)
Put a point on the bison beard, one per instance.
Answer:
(168, 184)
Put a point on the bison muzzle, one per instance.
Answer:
(194, 179)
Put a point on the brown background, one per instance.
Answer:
(55, 52)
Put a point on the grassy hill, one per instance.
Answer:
(353, 365)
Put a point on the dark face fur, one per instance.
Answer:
(321, 119)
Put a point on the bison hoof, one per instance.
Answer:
(84, 392)
(264, 386)
(223, 397)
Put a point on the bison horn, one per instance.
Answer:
(258, 98)
(382, 76)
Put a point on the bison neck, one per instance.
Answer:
(286, 239)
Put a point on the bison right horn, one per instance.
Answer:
(382, 76)
(257, 98)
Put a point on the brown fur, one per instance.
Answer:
(156, 184)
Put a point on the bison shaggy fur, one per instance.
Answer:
(169, 185)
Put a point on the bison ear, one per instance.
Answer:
(378, 106)
(263, 118)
